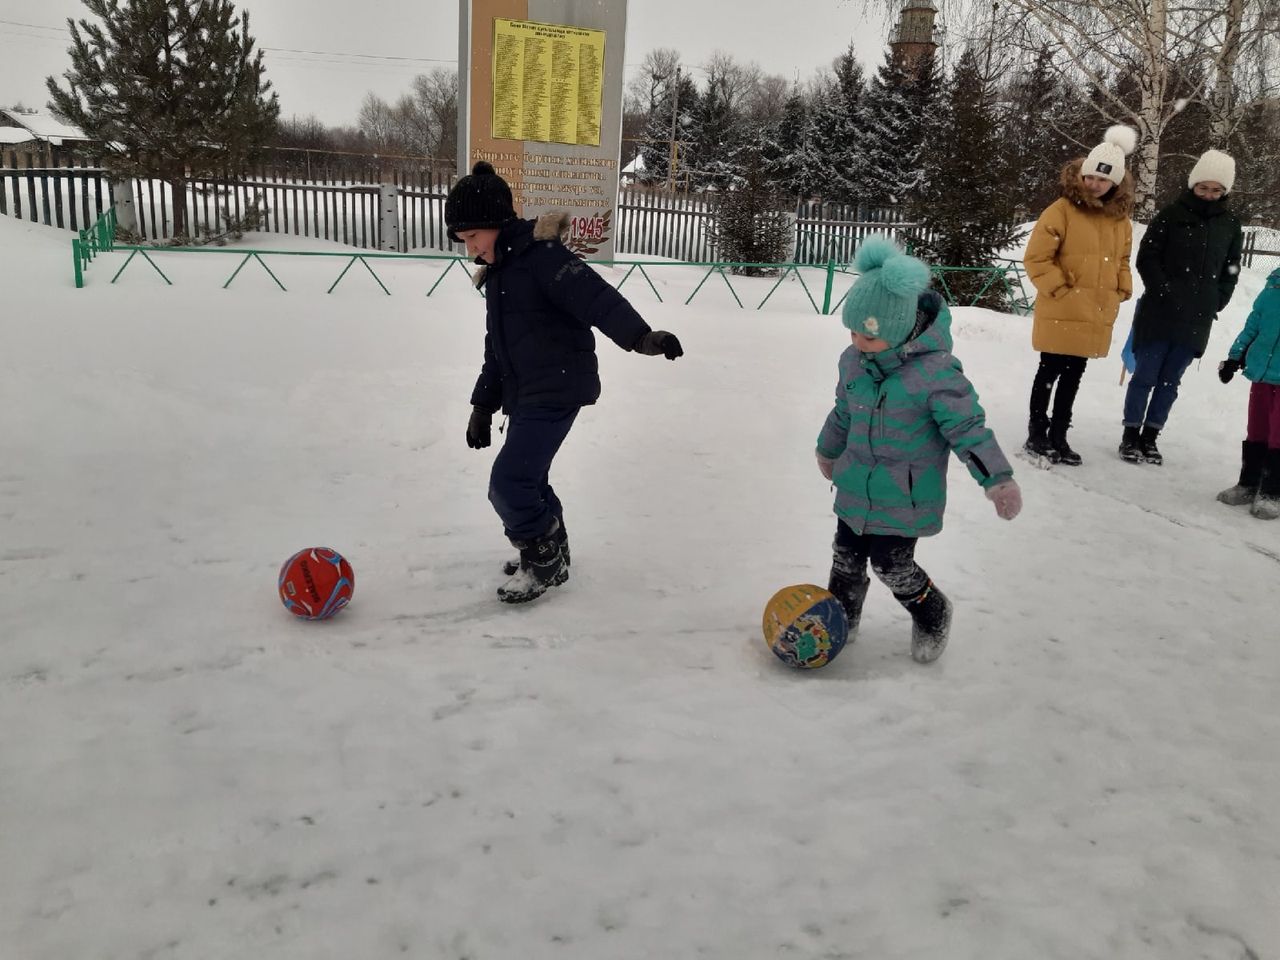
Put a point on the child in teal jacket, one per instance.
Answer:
(902, 405)
(1257, 350)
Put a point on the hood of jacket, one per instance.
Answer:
(1116, 203)
(1205, 209)
(931, 334)
(515, 237)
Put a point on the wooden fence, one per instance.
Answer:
(70, 195)
(339, 203)
(1252, 253)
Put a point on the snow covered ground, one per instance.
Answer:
(622, 769)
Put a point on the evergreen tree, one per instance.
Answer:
(836, 127)
(170, 88)
(1035, 145)
(899, 112)
(1256, 147)
(751, 223)
(968, 207)
(714, 133)
(657, 132)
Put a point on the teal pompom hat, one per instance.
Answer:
(882, 302)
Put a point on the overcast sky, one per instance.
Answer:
(412, 36)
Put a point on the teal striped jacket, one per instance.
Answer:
(897, 416)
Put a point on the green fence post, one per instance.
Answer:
(831, 279)
(75, 255)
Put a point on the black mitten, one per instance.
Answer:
(478, 429)
(1227, 369)
(657, 342)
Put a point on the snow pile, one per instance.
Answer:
(621, 769)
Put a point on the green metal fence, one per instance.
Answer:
(99, 238)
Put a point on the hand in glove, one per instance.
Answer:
(659, 342)
(825, 465)
(478, 428)
(1227, 369)
(1007, 497)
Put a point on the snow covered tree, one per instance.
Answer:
(751, 223)
(837, 127)
(967, 204)
(672, 113)
(789, 151)
(1036, 137)
(170, 88)
(898, 112)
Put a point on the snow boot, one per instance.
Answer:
(1147, 444)
(1267, 504)
(930, 623)
(1130, 449)
(1252, 455)
(510, 567)
(1058, 440)
(1038, 444)
(542, 566)
(848, 588)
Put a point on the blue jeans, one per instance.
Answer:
(1158, 370)
(519, 486)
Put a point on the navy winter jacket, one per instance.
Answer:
(541, 302)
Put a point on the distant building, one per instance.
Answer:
(917, 34)
(36, 134)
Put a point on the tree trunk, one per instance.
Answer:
(178, 195)
(1222, 114)
(1154, 82)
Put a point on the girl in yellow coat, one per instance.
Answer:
(1078, 259)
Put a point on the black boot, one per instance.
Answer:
(542, 566)
(1252, 455)
(1038, 444)
(1267, 504)
(1058, 440)
(1147, 442)
(1130, 448)
(930, 623)
(511, 566)
(848, 588)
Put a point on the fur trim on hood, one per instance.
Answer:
(1116, 204)
(553, 225)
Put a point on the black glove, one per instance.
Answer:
(1227, 369)
(478, 429)
(659, 342)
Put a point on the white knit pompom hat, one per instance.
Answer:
(1214, 165)
(1107, 158)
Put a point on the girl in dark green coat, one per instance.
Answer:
(902, 406)
(1189, 261)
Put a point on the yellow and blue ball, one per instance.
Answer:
(805, 626)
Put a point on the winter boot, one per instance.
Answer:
(1130, 450)
(1267, 504)
(542, 566)
(1147, 444)
(1252, 455)
(1058, 440)
(510, 567)
(848, 588)
(930, 623)
(1037, 444)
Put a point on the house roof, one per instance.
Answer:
(43, 126)
(12, 135)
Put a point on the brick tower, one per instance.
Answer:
(916, 34)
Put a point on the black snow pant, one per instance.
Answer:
(1066, 371)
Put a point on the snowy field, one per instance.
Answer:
(621, 769)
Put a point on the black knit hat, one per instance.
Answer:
(478, 201)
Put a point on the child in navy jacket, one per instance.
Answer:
(540, 366)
